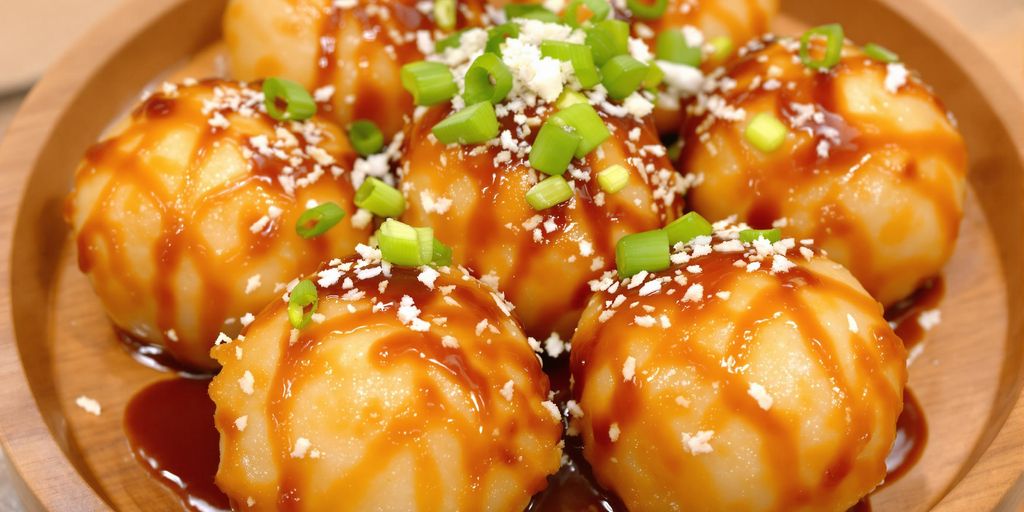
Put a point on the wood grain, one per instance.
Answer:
(55, 343)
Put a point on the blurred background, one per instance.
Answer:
(34, 33)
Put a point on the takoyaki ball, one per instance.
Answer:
(745, 377)
(861, 157)
(409, 389)
(717, 27)
(474, 197)
(185, 215)
(350, 51)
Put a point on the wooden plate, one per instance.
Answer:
(55, 343)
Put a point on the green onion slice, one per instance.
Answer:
(380, 198)
(302, 303)
(401, 244)
(671, 46)
(749, 235)
(647, 10)
(487, 79)
(613, 179)
(570, 98)
(653, 78)
(766, 132)
(722, 48)
(444, 14)
(578, 55)
(607, 39)
(599, 10)
(317, 220)
(623, 75)
(687, 228)
(880, 53)
(441, 254)
(648, 251)
(365, 137)
(452, 41)
(472, 125)
(299, 104)
(553, 148)
(429, 83)
(549, 192)
(425, 241)
(833, 34)
(585, 123)
(530, 12)
(497, 35)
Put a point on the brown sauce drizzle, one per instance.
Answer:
(169, 426)
(737, 27)
(905, 315)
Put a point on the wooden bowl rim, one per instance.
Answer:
(46, 477)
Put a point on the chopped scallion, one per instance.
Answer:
(441, 254)
(607, 39)
(648, 251)
(487, 79)
(400, 244)
(749, 235)
(380, 198)
(645, 10)
(880, 53)
(365, 137)
(497, 35)
(766, 132)
(317, 220)
(598, 10)
(553, 148)
(549, 192)
(833, 34)
(302, 303)
(578, 55)
(570, 98)
(429, 83)
(671, 46)
(623, 75)
(587, 124)
(530, 12)
(444, 14)
(452, 41)
(613, 179)
(299, 104)
(687, 228)
(472, 125)
(722, 47)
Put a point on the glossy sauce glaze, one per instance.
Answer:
(572, 488)
(169, 426)
(362, 48)
(425, 388)
(740, 20)
(868, 384)
(185, 212)
(492, 229)
(824, 179)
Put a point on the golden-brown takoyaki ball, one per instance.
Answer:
(185, 214)
(872, 168)
(740, 379)
(409, 390)
(354, 48)
(739, 20)
(474, 197)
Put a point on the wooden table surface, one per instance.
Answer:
(33, 34)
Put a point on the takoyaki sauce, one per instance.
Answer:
(156, 356)
(169, 426)
(905, 315)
